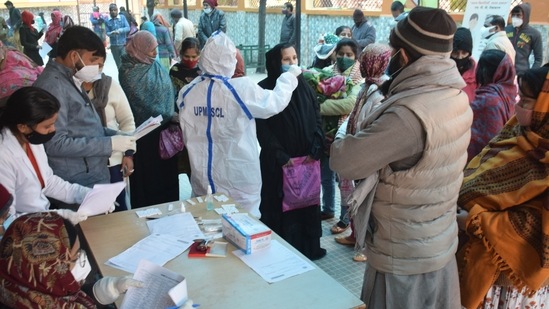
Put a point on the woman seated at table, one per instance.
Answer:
(27, 122)
(506, 210)
(43, 266)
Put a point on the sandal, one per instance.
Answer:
(339, 227)
(359, 257)
(346, 240)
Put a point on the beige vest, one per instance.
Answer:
(414, 210)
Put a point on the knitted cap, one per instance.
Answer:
(463, 40)
(5, 199)
(427, 31)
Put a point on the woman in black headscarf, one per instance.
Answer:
(295, 132)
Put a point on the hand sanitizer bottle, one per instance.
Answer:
(209, 199)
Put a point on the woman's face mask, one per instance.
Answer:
(82, 267)
(344, 63)
(37, 138)
(8, 221)
(524, 109)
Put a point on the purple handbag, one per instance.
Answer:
(170, 142)
(300, 184)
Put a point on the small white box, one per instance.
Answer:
(245, 232)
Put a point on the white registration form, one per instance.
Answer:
(157, 248)
(158, 281)
(180, 225)
(275, 263)
(101, 198)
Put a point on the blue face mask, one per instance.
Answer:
(7, 222)
(285, 67)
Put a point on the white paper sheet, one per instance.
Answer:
(275, 263)
(44, 50)
(180, 225)
(101, 198)
(158, 281)
(157, 248)
(147, 126)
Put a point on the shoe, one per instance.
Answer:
(320, 254)
(339, 227)
(360, 257)
(326, 216)
(346, 240)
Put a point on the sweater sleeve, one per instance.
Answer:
(538, 50)
(395, 136)
(338, 107)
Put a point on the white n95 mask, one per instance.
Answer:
(485, 31)
(88, 73)
(517, 22)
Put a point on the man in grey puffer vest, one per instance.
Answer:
(410, 153)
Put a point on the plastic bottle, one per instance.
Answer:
(209, 199)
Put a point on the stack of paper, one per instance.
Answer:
(147, 126)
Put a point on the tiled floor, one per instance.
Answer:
(338, 262)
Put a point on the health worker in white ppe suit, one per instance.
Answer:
(217, 119)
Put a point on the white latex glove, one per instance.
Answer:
(107, 289)
(122, 143)
(113, 207)
(72, 216)
(295, 70)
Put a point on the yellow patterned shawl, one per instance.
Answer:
(504, 190)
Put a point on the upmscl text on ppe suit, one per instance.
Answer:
(217, 118)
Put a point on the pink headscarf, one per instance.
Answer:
(54, 30)
(374, 61)
(141, 44)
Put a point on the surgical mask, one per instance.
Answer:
(36, 138)
(88, 73)
(485, 32)
(208, 10)
(82, 268)
(524, 116)
(285, 67)
(517, 22)
(191, 64)
(8, 221)
(343, 63)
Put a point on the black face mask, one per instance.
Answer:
(462, 64)
(36, 138)
(393, 70)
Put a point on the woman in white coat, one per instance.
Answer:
(27, 122)
(217, 114)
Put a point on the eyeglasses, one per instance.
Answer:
(81, 261)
